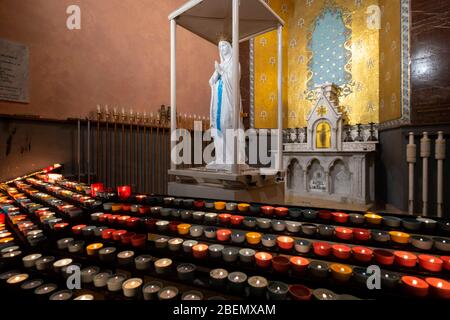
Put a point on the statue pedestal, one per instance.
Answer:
(251, 185)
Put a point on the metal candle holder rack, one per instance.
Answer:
(129, 148)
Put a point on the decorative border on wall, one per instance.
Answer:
(252, 83)
(405, 69)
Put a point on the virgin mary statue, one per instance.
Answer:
(222, 112)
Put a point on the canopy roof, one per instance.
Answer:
(212, 19)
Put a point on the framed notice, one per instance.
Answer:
(14, 71)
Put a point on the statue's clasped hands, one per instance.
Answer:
(218, 68)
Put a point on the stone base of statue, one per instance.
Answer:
(250, 185)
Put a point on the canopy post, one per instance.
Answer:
(173, 89)
(236, 86)
(279, 161)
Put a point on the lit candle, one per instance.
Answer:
(210, 217)
(143, 262)
(17, 279)
(125, 257)
(340, 217)
(253, 238)
(326, 231)
(188, 245)
(285, 243)
(318, 269)
(192, 295)
(267, 210)
(59, 264)
(324, 294)
(31, 284)
(93, 248)
(224, 218)
(361, 234)
(151, 290)
(362, 254)
(237, 281)
(100, 279)
(278, 226)
(85, 297)
(117, 235)
(45, 289)
(223, 235)
(215, 251)
(78, 229)
(341, 252)
(88, 274)
(344, 233)
(131, 287)
(186, 271)
(44, 263)
(246, 255)
(258, 286)
(415, 286)
(278, 290)
(269, 240)
(175, 244)
(422, 243)
(200, 251)
(399, 237)
(302, 246)
(430, 263)
(322, 249)
(217, 277)
(162, 266)
(62, 295)
(439, 287)
(219, 205)
(373, 218)
(263, 259)
(299, 264)
(341, 272)
(30, 260)
(124, 192)
(196, 231)
(168, 293)
(115, 282)
(183, 229)
(405, 259)
(107, 254)
(230, 254)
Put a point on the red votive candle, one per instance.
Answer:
(144, 210)
(325, 215)
(446, 260)
(122, 220)
(439, 287)
(405, 259)
(77, 229)
(200, 251)
(138, 240)
(322, 249)
(415, 286)
(362, 254)
(124, 192)
(104, 217)
(126, 238)
(224, 218)
(340, 217)
(236, 220)
(430, 263)
(150, 224)
(286, 243)
(223, 235)
(344, 233)
(133, 222)
(107, 233)
(61, 226)
(263, 259)
(281, 211)
(299, 264)
(267, 210)
(280, 264)
(2, 218)
(117, 234)
(97, 187)
(173, 226)
(341, 251)
(361, 234)
(384, 257)
(113, 218)
(199, 204)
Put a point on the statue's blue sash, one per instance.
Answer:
(219, 104)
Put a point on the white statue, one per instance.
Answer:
(222, 111)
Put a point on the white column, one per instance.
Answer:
(173, 86)
(425, 152)
(279, 166)
(236, 83)
(411, 150)
(440, 157)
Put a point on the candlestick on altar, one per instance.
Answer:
(425, 152)
(116, 169)
(107, 144)
(411, 150)
(122, 148)
(440, 157)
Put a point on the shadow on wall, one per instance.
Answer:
(27, 145)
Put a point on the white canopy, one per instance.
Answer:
(211, 19)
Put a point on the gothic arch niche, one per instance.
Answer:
(317, 181)
(323, 135)
(295, 178)
(340, 178)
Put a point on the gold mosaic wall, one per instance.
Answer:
(366, 44)
(390, 57)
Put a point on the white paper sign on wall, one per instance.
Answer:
(14, 72)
